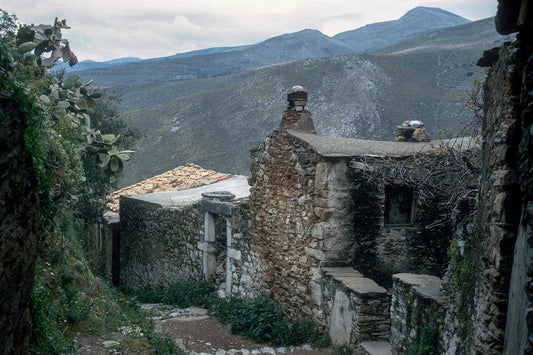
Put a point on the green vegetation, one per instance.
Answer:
(263, 321)
(343, 350)
(182, 294)
(427, 343)
(260, 319)
(463, 271)
(68, 301)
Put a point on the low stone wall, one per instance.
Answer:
(207, 239)
(417, 314)
(356, 308)
(159, 246)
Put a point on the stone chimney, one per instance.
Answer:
(296, 116)
(412, 131)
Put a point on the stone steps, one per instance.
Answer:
(375, 348)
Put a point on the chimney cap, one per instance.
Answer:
(297, 88)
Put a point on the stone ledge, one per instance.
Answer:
(355, 282)
(426, 286)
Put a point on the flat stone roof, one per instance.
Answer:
(328, 146)
(237, 185)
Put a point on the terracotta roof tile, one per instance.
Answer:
(180, 178)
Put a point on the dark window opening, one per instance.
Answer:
(221, 240)
(115, 256)
(398, 204)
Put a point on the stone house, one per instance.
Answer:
(331, 231)
(320, 226)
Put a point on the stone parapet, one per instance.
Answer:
(356, 308)
(417, 313)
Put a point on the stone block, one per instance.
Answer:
(207, 247)
(218, 207)
(317, 254)
(341, 321)
(234, 254)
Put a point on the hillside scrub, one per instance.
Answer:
(68, 301)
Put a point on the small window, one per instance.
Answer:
(398, 204)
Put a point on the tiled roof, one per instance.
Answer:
(180, 178)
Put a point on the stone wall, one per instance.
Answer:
(159, 246)
(502, 236)
(519, 327)
(417, 314)
(19, 220)
(356, 308)
(383, 249)
(207, 239)
(285, 208)
(498, 213)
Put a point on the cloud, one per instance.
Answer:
(108, 29)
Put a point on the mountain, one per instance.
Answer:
(383, 34)
(91, 64)
(474, 34)
(284, 48)
(206, 109)
(206, 51)
(281, 49)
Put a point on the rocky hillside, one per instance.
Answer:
(211, 109)
(362, 96)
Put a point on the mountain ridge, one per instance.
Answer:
(210, 109)
(374, 36)
(316, 44)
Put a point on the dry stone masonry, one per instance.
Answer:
(330, 229)
(316, 231)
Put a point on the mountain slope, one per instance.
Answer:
(383, 34)
(363, 96)
(475, 34)
(284, 48)
(211, 109)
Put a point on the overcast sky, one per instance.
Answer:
(109, 29)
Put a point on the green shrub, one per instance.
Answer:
(263, 321)
(182, 294)
(163, 345)
(342, 350)
(427, 343)
(47, 336)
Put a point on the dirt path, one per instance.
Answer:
(196, 332)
